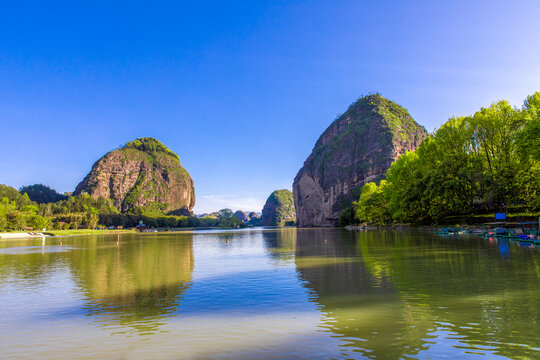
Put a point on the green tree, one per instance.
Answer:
(529, 147)
(404, 189)
(481, 163)
(41, 193)
(17, 221)
(38, 222)
(92, 220)
(372, 206)
(347, 216)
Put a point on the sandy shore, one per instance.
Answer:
(20, 235)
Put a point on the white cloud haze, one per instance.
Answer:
(211, 203)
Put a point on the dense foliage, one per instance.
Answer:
(42, 194)
(19, 212)
(478, 164)
(254, 219)
(149, 145)
(279, 209)
(222, 219)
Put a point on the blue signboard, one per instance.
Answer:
(500, 216)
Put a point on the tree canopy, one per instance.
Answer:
(486, 162)
(149, 145)
(42, 194)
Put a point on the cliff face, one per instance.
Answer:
(357, 148)
(254, 219)
(142, 173)
(278, 209)
(242, 216)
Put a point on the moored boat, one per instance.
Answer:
(450, 231)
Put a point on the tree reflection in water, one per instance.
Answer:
(396, 294)
(137, 282)
(280, 244)
(376, 294)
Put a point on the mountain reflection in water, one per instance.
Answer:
(269, 293)
(137, 283)
(396, 294)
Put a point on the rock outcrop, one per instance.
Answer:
(254, 219)
(143, 173)
(279, 209)
(358, 147)
(242, 216)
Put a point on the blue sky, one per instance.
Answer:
(241, 90)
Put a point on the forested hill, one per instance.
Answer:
(279, 209)
(19, 212)
(357, 147)
(473, 165)
(142, 174)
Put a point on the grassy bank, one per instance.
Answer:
(88, 232)
(126, 231)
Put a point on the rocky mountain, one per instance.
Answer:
(254, 219)
(143, 173)
(242, 216)
(358, 147)
(278, 209)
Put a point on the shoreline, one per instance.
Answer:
(59, 233)
(83, 232)
(405, 227)
(21, 235)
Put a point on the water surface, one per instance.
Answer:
(269, 294)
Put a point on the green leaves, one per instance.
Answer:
(42, 194)
(486, 162)
(39, 222)
(529, 138)
(149, 145)
(372, 207)
(279, 208)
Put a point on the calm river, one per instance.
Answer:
(269, 294)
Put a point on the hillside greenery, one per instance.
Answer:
(18, 212)
(42, 194)
(479, 164)
(149, 145)
(395, 116)
(279, 209)
(395, 123)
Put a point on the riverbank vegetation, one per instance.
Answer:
(465, 171)
(19, 212)
(88, 232)
(470, 167)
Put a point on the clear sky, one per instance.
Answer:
(241, 90)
